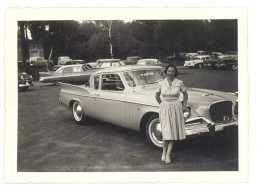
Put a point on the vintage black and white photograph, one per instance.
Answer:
(128, 94)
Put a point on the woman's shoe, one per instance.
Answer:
(163, 158)
(168, 160)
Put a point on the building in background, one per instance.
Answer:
(35, 50)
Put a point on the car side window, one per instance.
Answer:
(77, 69)
(67, 70)
(112, 82)
(60, 71)
(106, 64)
(96, 82)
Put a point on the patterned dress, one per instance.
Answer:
(171, 114)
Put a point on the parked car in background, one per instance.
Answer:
(124, 96)
(132, 60)
(213, 62)
(69, 62)
(151, 62)
(228, 63)
(75, 74)
(24, 80)
(39, 62)
(197, 61)
(105, 63)
(63, 59)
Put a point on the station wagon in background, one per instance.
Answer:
(197, 61)
(75, 74)
(125, 96)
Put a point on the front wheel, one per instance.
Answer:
(77, 112)
(154, 131)
(199, 66)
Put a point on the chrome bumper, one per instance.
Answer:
(24, 85)
(206, 126)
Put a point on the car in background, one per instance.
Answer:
(75, 74)
(151, 62)
(105, 63)
(63, 59)
(124, 96)
(197, 61)
(213, 62)
(69, 62)
(132, 60)
(230, 63)
(24, 80)
(39, 62)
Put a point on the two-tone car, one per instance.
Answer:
(197, 61)
(75, 74)
(125, 96)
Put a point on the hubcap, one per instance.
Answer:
(77, 111)
(155, 132)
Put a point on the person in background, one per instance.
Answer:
(171, 110)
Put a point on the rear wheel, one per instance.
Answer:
(199, 66)
(154, 131)
(77, 112)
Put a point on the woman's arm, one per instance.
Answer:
(185, 99)
(157, 97)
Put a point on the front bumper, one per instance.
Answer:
(205, 126)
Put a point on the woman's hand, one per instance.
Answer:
(184, 108)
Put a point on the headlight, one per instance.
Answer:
(186, 113)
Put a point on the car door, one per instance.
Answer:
(78, 76)
(110, 100)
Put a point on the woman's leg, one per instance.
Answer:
(165, 146)
(169, 150)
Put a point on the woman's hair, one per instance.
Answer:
(175, 68)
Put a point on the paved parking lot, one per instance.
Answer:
(50, 141)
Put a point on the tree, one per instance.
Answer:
(107, 25)
(22, 37)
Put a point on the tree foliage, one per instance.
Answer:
(90, 40)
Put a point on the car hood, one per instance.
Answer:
(196, 95)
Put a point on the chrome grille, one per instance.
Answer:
(221, 111)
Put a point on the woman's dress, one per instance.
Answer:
(171, 113)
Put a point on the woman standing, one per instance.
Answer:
(171, 110)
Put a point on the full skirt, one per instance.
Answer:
(172, 120)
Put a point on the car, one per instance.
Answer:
(197, 62)
(68, 62)
(125, 96)
(75, 74)
(63, 59)
(228, 63)
(132, 60)
(151, 62)
(213, 63)
(24, 80)
(105, 63)
(39, 62)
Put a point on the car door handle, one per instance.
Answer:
(97, 94)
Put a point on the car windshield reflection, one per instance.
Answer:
(144, 77)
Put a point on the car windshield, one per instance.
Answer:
(144, 77)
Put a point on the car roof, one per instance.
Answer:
(73, 65)
(134, 57)
(126, 68)
(200, 56)
(108, 60)
(155, 59)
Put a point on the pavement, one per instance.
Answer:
(50, 141)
